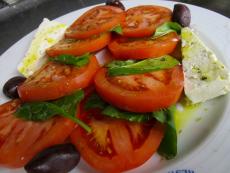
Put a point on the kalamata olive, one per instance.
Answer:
(181, 15)
(10, 87)
(56, 159)
(115, 3)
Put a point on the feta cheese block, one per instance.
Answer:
(48, 33)
(205, 77)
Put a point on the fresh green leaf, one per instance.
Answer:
(117, 29)
(94, 101)
(125, 115)
(116, 64)
(118, 68)
(69, 103)
(78, 61)
(37, 111)
(160, 116)
(166, 28)
(168, 146)
(42, 111)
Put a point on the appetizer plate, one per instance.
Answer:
(204, 140)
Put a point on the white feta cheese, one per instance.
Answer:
(205, 77)
(48, 33)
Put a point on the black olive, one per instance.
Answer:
(10, 87)
(115, 3)
(181, 15)
(56, 159)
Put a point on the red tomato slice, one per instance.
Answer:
(56, 80)
(123, 48)
(142, 21)
(79, 47)
(116, 145)
(21, 140)
(142, 92)
(95, 21)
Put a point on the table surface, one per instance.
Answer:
(21, 18)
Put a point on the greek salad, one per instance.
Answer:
(66, 105)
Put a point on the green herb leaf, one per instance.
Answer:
(94, 101)
(69, 103)
(78, 61)
(160, 116)
(168, 146)
(166, 28)
(42, 111)
(125, 115)
(118, 68)
(117, 29)
(116, 64)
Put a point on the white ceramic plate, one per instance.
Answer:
(204, 145)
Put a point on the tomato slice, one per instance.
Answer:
(95, 21)
(116, 145)
(124, 48)
(20, 140)
(141, 92)
(142, 21)
(79, 47)
(56, 80)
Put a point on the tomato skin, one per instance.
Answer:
(145, 48)
(142, 21)
(57, 85)
(142, 99)
(95, 21)
(79, 47)
(121, 135)
(21, 140)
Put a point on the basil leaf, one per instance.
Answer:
(69, 103)
(42, 111)
(168, 146)
(125, 115)
(116, 64)
(160, 116)
(166, 28)
(118, 68)
(94, 101)
(117, 29)
(78, 61)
